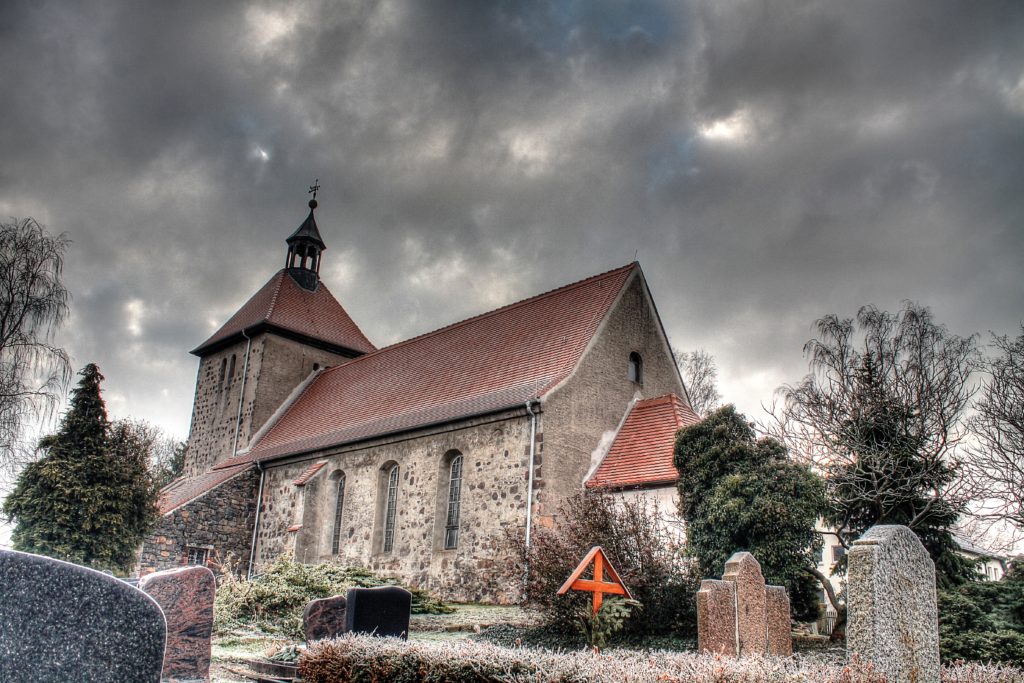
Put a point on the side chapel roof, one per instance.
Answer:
(184, 490)
(283, 304)
(643, 450)
(492, 362)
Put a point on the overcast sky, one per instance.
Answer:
(767, 162)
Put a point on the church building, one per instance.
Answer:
(415, 460)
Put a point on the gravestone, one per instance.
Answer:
(716, 617)
(777, 616)
(60, 622)
(324, 618)
(186, 596)
(382, 611)
(892, 613)
(739, 615)
(751, 627)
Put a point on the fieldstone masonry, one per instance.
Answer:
(186, 597)
(892, 608)
(739, 615)
(221, 521)
(60, 622)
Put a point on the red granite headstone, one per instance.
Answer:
(186, 597)
(716, 617)
(324, 618)
(744, 571)
(740, 615)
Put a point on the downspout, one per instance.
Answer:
(241, 394)
(256, 523)
(529, 487)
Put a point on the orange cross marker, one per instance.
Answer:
(598, 586)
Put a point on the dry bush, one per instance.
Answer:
(648, 557)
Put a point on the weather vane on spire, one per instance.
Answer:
(313, 189)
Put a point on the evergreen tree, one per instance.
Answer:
(90, 499)
(739, 493)
(881, 416)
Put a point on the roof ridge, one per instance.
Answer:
(485, 314)
(277, 290)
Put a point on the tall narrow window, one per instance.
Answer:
(223, 370)
(451, 528)
(636, 368)
(390, 509)
(339, 504)
(231, 370)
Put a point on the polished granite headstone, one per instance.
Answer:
(382, 611)
(60, 622)
(186, 596)
(324, 618)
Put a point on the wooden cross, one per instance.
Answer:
(314, 188)
(598, 586)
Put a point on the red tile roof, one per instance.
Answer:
(492, 362)
(642, 453)
(185, 490)
(283, 304)
(309, 473)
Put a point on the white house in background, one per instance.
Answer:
(989, 564)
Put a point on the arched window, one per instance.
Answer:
(339, 505)
(636, 368)
(231, 370)
(223, 369)
(451, 528)
(390, 509)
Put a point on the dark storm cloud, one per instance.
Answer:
(768, 163)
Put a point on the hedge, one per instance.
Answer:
(363, 659)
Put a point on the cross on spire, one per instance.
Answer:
(314, 188)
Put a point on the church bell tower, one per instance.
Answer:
(304, 248)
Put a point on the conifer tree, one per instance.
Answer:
(90, 499)
(737, 493)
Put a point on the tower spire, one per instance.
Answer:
(305, 247)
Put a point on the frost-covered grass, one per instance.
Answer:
(361, 658)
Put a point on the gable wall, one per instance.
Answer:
(595, 398)
(495, 459)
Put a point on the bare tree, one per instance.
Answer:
(34, 372)
(996, 462)
(700, 375)
(882, 415)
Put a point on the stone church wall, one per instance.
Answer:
(594, 399)
(495, 462)
(220, 521)
(276, 366)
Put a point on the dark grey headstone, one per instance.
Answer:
(60, 622)
(382, 611)
(324, 618)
